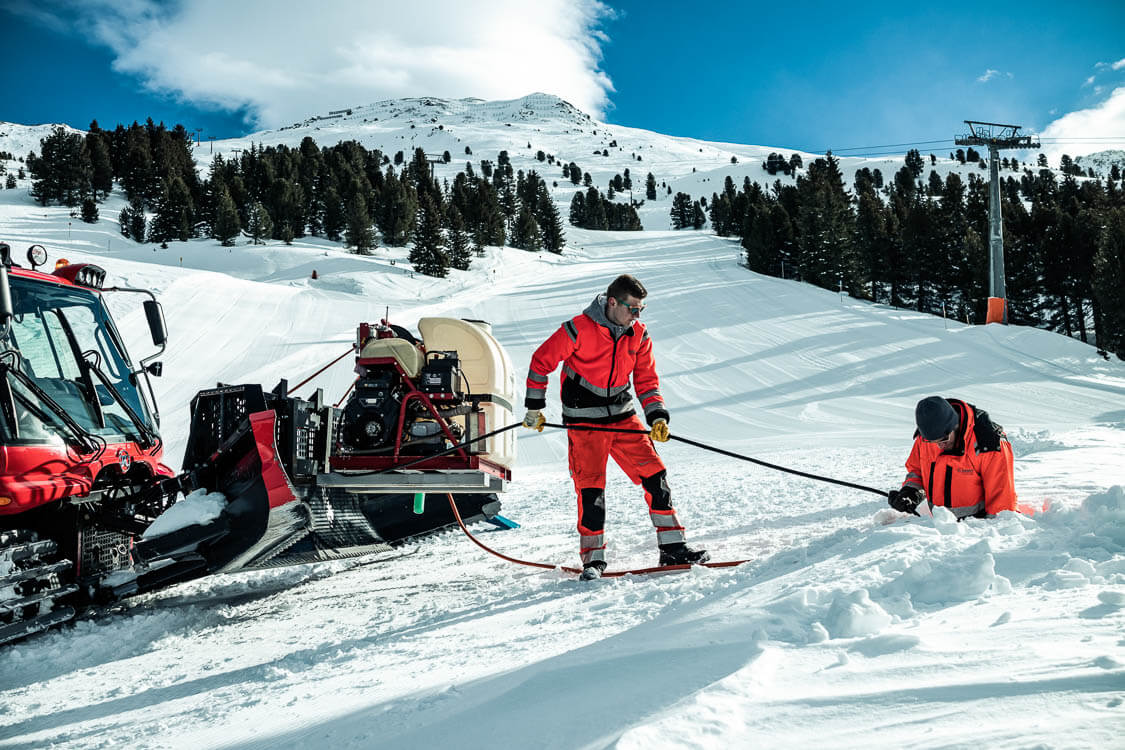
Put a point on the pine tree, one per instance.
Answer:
(181, 209)
(428, 255)
(10, 182)
(525, 232)
(101, 168)
(681, 214)
(577, 216)
(173, 213)
(915, 163)
(138, 222)
(698, 218)
(550, 225)
(286, 206)
(650, 187)
(335, 217)
(226, 226)
(61, 171)
(825, 223)
(872, 244)
(125, 222)
(460, 256)
(1109, 280)
(358, 234)
(596, 217)
(137, 173)
(934, 186)
(89, 211)
(396, 217)
(757, 240)
(720, 214)
(259, 225)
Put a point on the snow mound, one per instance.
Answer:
(198, 508)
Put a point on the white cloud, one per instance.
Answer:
(1119, 64)
(285, 59)
(990, 74)
(1106, 120)
(1089, 81)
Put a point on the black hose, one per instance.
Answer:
(590, 428)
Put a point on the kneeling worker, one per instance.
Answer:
(601, 350)
(961, 460)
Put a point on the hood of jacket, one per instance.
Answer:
(596, 313)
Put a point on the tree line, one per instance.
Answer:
(923, 244)
(343, 192)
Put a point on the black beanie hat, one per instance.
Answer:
(935, 418)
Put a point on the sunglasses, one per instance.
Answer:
(633, 309)
(945, 439)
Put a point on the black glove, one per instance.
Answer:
(906, 499)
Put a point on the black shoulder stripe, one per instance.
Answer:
(987, 432)
(571, 330)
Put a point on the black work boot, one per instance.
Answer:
(593, 570)
(679, 553)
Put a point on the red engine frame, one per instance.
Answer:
(461, 460)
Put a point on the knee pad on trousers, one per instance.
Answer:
(593, 508)
(657, 487)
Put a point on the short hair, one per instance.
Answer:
(626, 284)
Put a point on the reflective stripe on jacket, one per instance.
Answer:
(599, 359)
(975, 477)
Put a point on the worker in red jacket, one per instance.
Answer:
(601, 350)
(961, 460)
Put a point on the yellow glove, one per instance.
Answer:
(659, 431)
(534, 420)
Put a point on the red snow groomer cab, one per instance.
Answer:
(89, 513)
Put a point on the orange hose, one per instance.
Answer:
(576, 571)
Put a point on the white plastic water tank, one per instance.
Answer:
(487, 369)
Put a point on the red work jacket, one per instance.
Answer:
(599, 360)
(975, 477)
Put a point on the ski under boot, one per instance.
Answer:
(593, 570)
(679, 553)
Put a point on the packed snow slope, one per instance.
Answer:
(849, 626)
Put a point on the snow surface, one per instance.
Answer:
(850, 625)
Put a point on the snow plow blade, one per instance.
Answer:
(281, 505)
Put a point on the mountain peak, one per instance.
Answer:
(430, 109)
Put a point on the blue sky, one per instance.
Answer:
(808, 75)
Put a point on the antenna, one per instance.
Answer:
(996, 137)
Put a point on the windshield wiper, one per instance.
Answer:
(147, 433)
(84, 367)
(81, 437)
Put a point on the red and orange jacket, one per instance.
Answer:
(599, 359)
(975, 477)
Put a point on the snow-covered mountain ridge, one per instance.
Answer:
(1102, 161)
(531, 124)
(429, 109)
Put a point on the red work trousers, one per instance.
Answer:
(634, 453)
